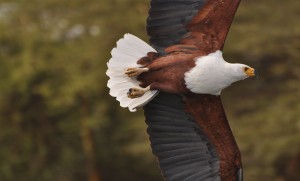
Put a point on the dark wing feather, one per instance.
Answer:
(183, 151)
(212, 22)
(167, 20)
(203, 23)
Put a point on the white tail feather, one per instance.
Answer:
(128, 51)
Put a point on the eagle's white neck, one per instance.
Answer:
(211, 74)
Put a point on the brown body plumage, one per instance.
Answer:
(167, 73)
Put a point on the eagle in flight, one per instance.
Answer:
(178, 81)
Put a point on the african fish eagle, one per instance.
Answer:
(178, 81)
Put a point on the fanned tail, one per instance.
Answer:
(128, 51)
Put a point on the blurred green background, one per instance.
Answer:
(58, 122)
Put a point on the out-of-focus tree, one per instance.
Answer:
(57, 121)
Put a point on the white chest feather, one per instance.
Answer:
(210, 75)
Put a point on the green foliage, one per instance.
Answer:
(58, 122)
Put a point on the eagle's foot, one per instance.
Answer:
(137, 92)
(131, 72)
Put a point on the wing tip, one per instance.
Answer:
(240, 174)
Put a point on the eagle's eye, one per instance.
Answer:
(245, 69)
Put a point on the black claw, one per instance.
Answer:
(129, 91)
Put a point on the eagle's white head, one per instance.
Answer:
(239, 71)
(212, 74)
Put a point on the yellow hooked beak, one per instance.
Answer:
(249, 71)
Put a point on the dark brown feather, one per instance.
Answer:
(209, 28)
(211, 25)
(208, 112)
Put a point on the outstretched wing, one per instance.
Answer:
(180, 138)
(200, 23)
(183, 150)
